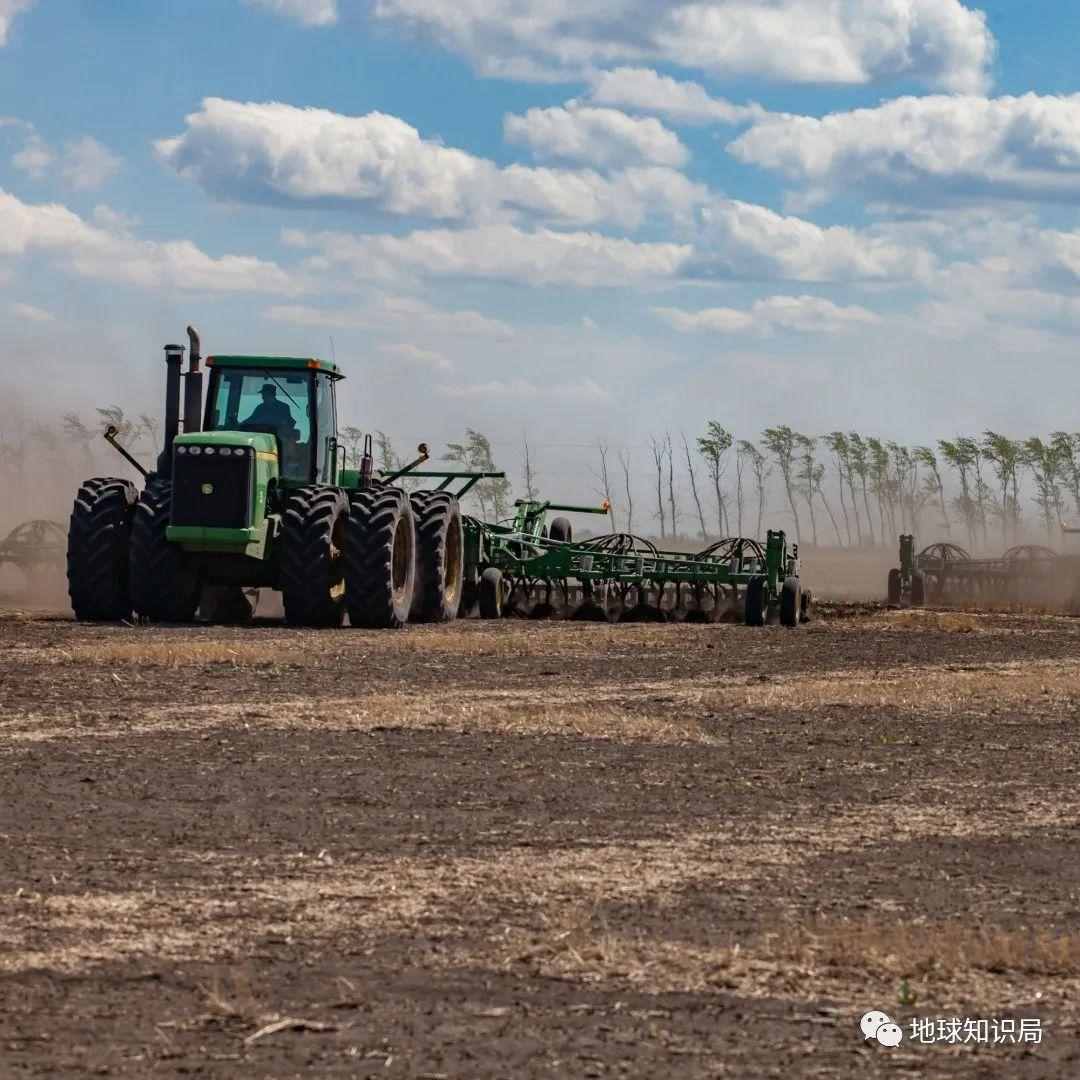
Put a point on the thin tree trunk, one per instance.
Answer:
(624, 461)
(832, 518)
(693, 488)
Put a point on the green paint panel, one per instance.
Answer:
(293, 363)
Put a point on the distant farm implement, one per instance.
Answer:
(947, 573)
(251, 490)
(34, 547)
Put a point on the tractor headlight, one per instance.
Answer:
(195, 450)
(209, 450)
(181, 449)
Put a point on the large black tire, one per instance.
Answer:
(312, 567)
(790, 602)
(895, 590)
(490, 594)
(755, 602)
(380, 559)
(99, 540)
(918, 589)
(440, 557)
(561, 529)
(165, 584)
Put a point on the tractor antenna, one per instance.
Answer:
(333, 351)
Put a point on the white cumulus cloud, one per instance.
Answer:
(596, 136)
(929, 149)
(646, 90)
(941, 43)
(8, 10)
(83, 164)
(95, 252)
(749, 242)
(804, 314)
(396, 314)
(307, 12)
(275, 152)
(501, 252)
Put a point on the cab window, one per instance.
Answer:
(269, 400)
(326, 427)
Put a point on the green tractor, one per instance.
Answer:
(255, 493)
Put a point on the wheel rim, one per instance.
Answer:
(403, 557)
(453, 562)
(337, 563)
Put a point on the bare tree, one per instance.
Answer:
(932, 484)
(658, 450)
(760, 466)
(475, 454)
(781, 443)
(527, 474)
(836, 441)
(713, 447)
(624, 462)
(672, 501)
(605, 486)
(807, 471)
(740, 465)
(860, 465)
(693, 488)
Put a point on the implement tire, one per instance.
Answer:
(99, 540)
(490, 593)
(918, 589)
(164, 584)
(561, 530)
(790, 602)
(312, 570)
(755, 602)
(380, 559)
(895, 588)
(440, 557)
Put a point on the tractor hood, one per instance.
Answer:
(257, 441)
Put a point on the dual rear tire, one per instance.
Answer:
(98, 552)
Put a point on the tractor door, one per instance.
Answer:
(326, 427)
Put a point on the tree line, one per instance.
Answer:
(842, 488)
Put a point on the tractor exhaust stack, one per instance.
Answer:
(193, 385)
(174, 361)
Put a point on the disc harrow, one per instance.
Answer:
(627, 578)
(945, 572)
(34, 546)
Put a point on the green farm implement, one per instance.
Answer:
(625, 577)
(250, 490)
(34, 547)
(945, 572)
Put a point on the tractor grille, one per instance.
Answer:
(212, 491)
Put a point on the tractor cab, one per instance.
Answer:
(288, 398)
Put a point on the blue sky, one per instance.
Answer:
(575, 222)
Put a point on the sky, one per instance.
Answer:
(579, 223)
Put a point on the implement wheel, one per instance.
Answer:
(99, 536)
(380, 559)
(164, 584)
(918, 589)
(755, 602)
(440, 555)
(895, 590)
(312, 556)
(491, 593)
(561, 530)
(790, 602)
